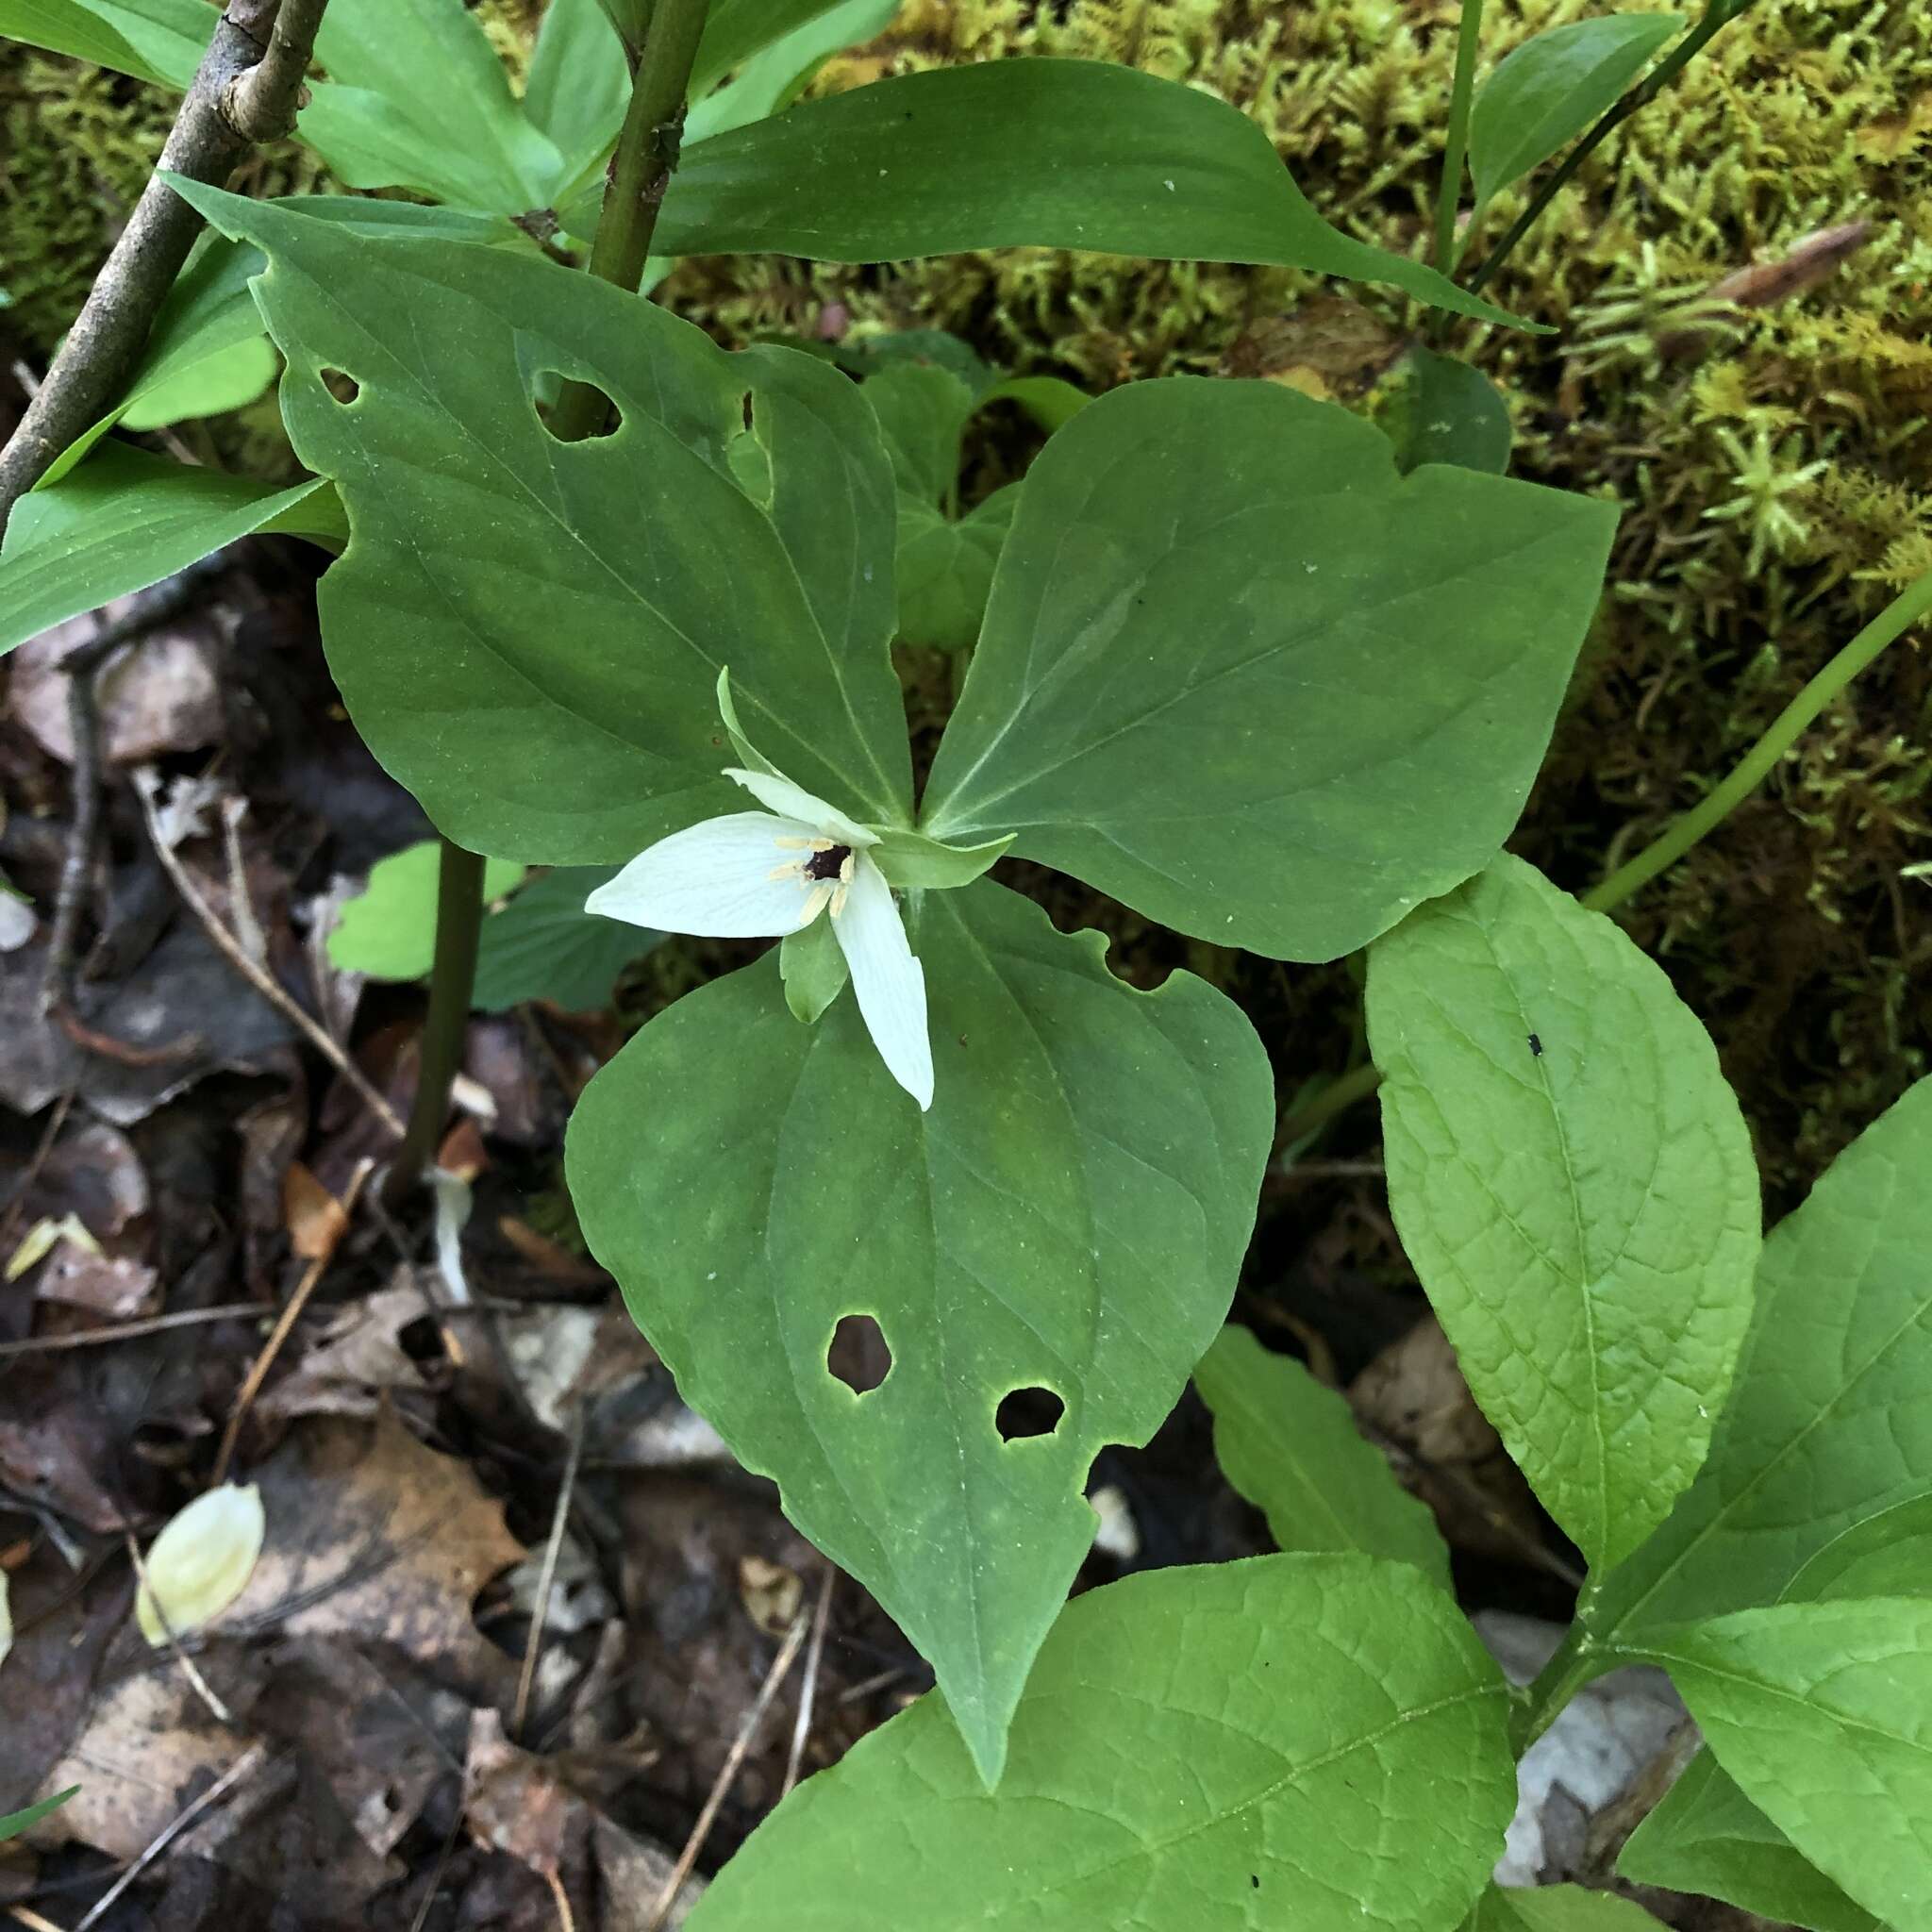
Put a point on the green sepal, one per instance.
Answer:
(753, 759)
(911, 860)
(813, 965)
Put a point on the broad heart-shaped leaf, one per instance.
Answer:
(1291, 1448)
(157, 41)
(1707, 1835)
(1557, 1908)
(528, 633)
(1062, 153)
(1551, 88)
(1240, 675)
(1828, 1423)
(126, 520)
(388, 930)
(1069, 1216)
(1823, 1714)
(544, 946)
(1314, 1742)
(1574, 1186)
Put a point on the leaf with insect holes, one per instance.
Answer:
(1573, 1183)
(1314, 1742)
(1068, 1218)
(542, 675)
(1239, 674)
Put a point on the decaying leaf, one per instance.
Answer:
(201, 1562)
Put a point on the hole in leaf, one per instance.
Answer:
(341, 385)
(744, 403)
(1023, 1413)
(553, 393)
(859, 1356)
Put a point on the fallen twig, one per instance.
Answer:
(546, 1579)
(146, 783)
(285, 1322)
(808, 1691)
(202, 1690)
(781, 1666)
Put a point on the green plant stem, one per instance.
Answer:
(1717, 15)
(1578, 1660)
(641, 170)
(452, 978)
(1906, 609)
(1456, 148)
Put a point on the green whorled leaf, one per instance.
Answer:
(911, 859)
(579, 80)
(1707, 1835)
(922, 410)
(1051, 401)
(1574, 1186)
(542, 945)
(157, 41)
(946, 569)
(1291, 1448)
(126, 520)
(417, 98)
(925, 348)
(1309, 1741)
(1062, 154)
(1557, 1908)
(1069, 1216)
(17, 1821)
(388, 930)
(1550, 88)
(1823, 1714)
(543, 674)
(1885, 1554)
(1238, 674)
(1828, 1423)
(1441, 410)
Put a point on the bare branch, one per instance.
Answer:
(229, 106)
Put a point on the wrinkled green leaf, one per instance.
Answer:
(1291, 1448)
(1557, 1908)
(126, 520)
(388, 930)
(1574, 1186)
(1828, 1423)
(1060, 154)
(1069, 1215)
(200, 1563)
(1823, 1714)
(417, 98)
(1707, 1835)
(17, 1821)
(1238, 674)
(579, 80)
(1307, 1742)
(1550, 88)
(157, 41)
(543, 676)
(542, 945)
(1441, 410)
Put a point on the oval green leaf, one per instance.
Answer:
(1441, 410)
(1574, 1186)
(388, 930)
(1057, 154)
(1239, 674)
(1829, 1423)
(1068, 1217)
(1707, 1835)
(157, 41)
(1823, 1714)
(1314, 1742)
(543, 674)
(1549, 89)
(1291, 1448)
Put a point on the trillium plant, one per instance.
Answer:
(1265, 673)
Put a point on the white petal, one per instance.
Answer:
(887, 980)
(774, 789)
(713, 881)
(201, 1562)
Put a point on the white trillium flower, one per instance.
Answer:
(761, 875)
